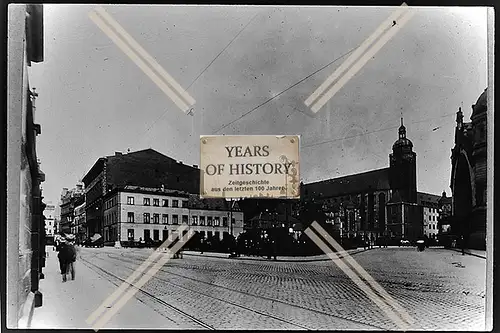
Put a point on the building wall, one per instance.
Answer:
(49, 214)
(430, 221)
(23, 200)
(118, 207)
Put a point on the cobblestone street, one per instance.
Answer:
(440, 289)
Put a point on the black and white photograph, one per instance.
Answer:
(249, 167)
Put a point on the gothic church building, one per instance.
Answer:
(378, 203)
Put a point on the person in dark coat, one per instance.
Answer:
(67, 257)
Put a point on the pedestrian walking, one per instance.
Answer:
(67, 258)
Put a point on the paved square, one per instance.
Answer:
(441, 289)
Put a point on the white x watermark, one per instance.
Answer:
(142, 59)
(116, 301)
(361, 278)
(360, 57)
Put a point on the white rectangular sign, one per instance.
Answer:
(244, 166)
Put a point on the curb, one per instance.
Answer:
(278, 260)
(469, 253)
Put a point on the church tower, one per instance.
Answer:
(403, 169)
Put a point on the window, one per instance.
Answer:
(430, 218)
(164, 219)
(233, 221)
(147, 234)
(175, 219)
(185, 219)
(156, 218)
(202, 220)
(194, 220)
(175, 203)
(209, 220)
(224, 221)
(217, 221)
(130, 200)
(146, 202)
(156, 202)
(156, 235)
(146, 218)
(164, 235)
(184, 204)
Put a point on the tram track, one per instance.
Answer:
(123, 258)
(184, 314)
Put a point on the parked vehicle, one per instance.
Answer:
(420, 245)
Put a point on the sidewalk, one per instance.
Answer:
(321, 257)
(68, 305)
(476, 253)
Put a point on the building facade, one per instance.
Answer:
(468, 176)
(24, 219)
(445, 222)
(430, 209)
(69, 200)
(373, 204)
(50, 222)
(79, 227)
(147, 168)
(134, 213)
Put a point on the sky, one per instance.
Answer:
(93, 100)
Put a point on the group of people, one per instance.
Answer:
(65, 245)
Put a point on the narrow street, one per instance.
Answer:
(440, 289)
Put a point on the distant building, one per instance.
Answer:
(468, 176)
(50, 221)
(133, 212)
(79, 226)
(430, 209)
(445, 209)
(70, 200)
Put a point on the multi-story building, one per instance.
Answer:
(147, 168)
(24, 213)
(133, 213)
(69, 199)
(468, 176)
(50, 221)
(78, 227)
(430, 211)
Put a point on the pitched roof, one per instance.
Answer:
(149, 168)
(351, 184)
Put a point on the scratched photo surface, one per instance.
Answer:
(248, 167)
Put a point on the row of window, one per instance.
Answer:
(165, 234)
(432, 217)
(195, 220)
(111, 203)
(156, 202)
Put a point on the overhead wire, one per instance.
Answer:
(203, 71)
(371, 132)
(283, 91)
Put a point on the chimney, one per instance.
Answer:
(118, 153)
